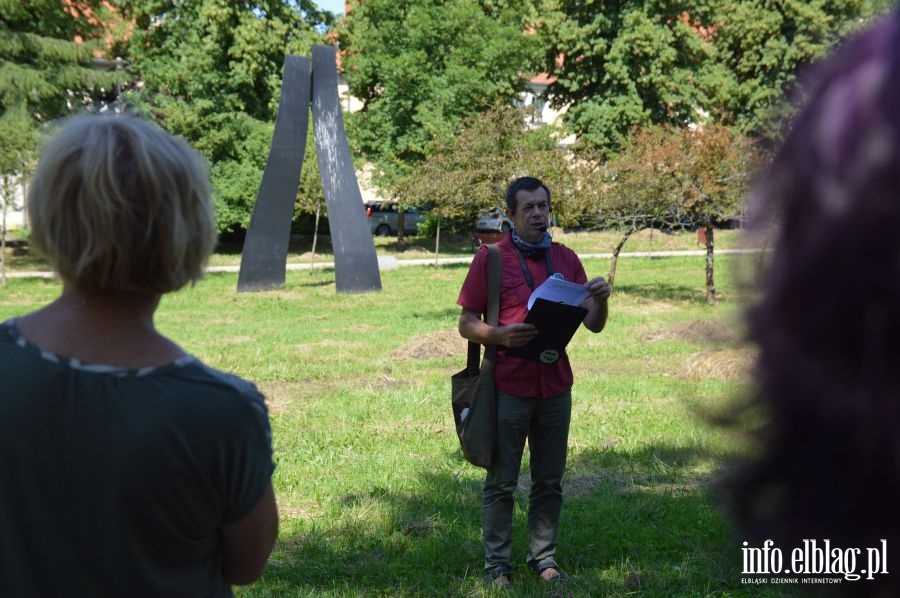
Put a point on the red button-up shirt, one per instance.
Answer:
(513, 375)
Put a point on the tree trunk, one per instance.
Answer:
(401, 229)
(7, 196)
(4, 202)
(312, 259)
(437, 243)
(26, 217)
(710, 283)
(611, 277)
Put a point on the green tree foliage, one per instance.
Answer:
(46, 55)
(632, 63)
(47, 52)
(421, 66)
(765, 45)
(17, 141)
(469, 174)
(210, 70)
(310, 196)
(627, 63)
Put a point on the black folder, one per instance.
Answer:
(556, 324)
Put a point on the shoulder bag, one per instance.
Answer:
(474, 396)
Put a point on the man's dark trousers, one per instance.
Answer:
(545, 422)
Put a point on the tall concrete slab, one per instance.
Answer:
(264, 257)
(355, 261)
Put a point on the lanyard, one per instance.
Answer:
(527, 273)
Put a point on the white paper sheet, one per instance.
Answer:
(559, 291)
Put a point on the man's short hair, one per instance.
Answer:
(119, 206)
(525, 183)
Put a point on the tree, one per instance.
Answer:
(16, 132)
(421, 66)
(47, 50)
(633, 63)
(210, 71)
(714, 179)
(765, 46)
(468, 175)
(628, 63)
(310, 195)
(697, 177)
(633, 190)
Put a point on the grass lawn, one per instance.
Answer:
(374, 495)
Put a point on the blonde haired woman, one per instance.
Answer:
(127, 467)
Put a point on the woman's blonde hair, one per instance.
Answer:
(119, 206)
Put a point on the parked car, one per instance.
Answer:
(384, 219)
(493, 220)
(491, 227)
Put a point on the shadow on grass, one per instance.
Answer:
(663, 292)
(19, 257)
(633, 523)
(436, 313)
(234, 244)
(299, 244)
(455, 266)
(309, 283)
(450, 243)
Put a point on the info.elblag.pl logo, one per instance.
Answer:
(813, 562)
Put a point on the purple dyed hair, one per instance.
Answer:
(827, 324)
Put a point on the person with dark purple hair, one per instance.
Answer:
(827, 322)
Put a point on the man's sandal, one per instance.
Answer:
(550, 573)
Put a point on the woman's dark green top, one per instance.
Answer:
(116, 482)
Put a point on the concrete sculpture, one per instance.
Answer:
(263, 262)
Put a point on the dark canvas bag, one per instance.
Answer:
(474, 396)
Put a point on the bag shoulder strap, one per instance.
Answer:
(493, 304)
(492, 316)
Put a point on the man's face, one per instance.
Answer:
(532, 215)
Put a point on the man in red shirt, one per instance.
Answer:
(534, 399)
